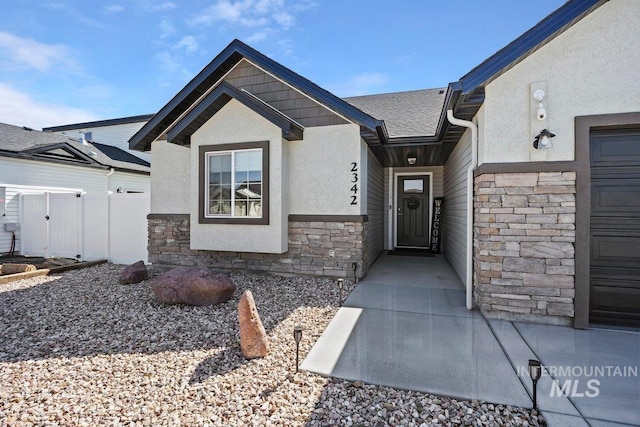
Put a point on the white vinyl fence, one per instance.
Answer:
(85, 226)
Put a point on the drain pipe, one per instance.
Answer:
(111, 171)
(472, 166)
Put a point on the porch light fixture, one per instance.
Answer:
(412, 158)
(535, 372)
(297, 336)
(543, 139)
(340, 286)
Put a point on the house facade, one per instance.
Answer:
(255, 167)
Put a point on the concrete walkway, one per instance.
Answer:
(405, 326)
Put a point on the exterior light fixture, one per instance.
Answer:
(340, 286)
(543, 139)
(297, 336)
(538, 95)
(412, 158)
(535, 372)
(354, 265)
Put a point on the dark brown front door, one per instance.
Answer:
(413, 211)
(615, 226)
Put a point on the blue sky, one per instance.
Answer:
(64, 61)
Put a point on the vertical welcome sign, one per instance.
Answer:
(436, 224)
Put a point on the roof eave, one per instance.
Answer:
(222, 63)
(537, 36)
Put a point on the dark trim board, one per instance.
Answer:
(168, 216)
(583, 127)
(524, 167)
(328, 218)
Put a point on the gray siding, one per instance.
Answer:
(438, 185)
(455, 206)
(280, 96)
(375, 209)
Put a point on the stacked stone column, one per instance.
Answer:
(524, 235)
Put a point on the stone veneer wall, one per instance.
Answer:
(524, 257)
(309, 245)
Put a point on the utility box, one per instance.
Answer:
(11, 226)
(3, 199)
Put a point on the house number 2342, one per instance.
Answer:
(354, 182)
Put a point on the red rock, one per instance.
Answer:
(134, 273)
(193, 286)
(253, 338)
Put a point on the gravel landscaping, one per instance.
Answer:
(80, 349)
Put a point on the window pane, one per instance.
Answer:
(413, 186)
(241, 208)
(255, 209)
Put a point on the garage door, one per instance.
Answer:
(615, 226)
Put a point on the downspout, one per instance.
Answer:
(111, 171)
(470, 169)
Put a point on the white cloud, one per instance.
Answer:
(360, 84)
(166, 28)
(72, 11)
(19, 108)
(164, 6)
(26, 53)
(188, 43)
(113, 8)
(246, 13)
(258, 36)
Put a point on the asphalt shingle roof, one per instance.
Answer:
(412, 113)
(18, 139)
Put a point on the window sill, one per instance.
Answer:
(243, 221)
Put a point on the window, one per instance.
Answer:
(234, 183)
(413, 186)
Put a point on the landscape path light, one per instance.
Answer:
(535, 372)
(340, 286)
(297, 336)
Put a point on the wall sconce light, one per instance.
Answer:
(412, 158)
(535, 372)
(340, 286)
(297, 336)
(538, 95)
(543, 139)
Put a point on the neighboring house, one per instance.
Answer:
(34, 162)
(256, 167)
(114, 132)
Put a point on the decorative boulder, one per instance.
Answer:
(253, 338)
(193, 286)
(134, 273)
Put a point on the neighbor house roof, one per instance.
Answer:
(29, 144)
(100, 123)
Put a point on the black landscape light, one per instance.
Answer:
(535, 372)
(297, 335)
(354, 265)
(340, 286)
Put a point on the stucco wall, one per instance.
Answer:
(320, 171)
(235, 123)
(592, 68)
(170, 178)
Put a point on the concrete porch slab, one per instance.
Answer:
(448, 355)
